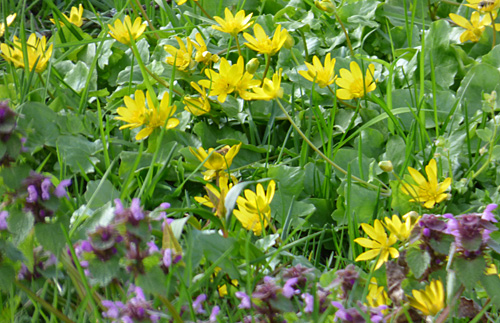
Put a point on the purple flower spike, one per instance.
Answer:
(46, 185)
(245, 300)
(118, 207)
(309, 302)
(113, 309)
(288, 290)
(152, 248)
(198, 304)
(214, 313)
(135, 208)
(3, 220)
(60, 190)
(167, 258)
(488, 215)
(32, 194)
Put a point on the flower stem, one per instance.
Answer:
(348, 40)
(268, 62)
(238, 45)
(384, 190)
(494, 31)
(145, 15)
(203, 10)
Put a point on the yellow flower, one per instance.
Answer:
(202, 54)
(124, 32)
(157, 118)
(197, 105)
(183, 56)
(270, 89)
(474, 28)
(492, 270)
(399, 229)
(352, 83)
(10, 20)
(254, 210)
(484, 5)
(75, 16)
(380, 245)
(136, 114)
(427, 192)
(219, 160)
(429, 301)
(229, 79)
(233, 24)
(377, 296)
(223, 288)
(216, 196)
(325, 5)
(324, 76)
(36, 48)
(262, 43)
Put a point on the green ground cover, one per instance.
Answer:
(249, 161)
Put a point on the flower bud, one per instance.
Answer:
(289, 42)
(325, 5)
(252, 65)
(386, 166)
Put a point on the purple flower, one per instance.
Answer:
(353, 315)
(167, 257)
(136, 210)
(266, 290)
(346, 278)
(118, 207)
(488, 215)
(309, 302)
(198, 304)
(32, 194)
(288, 290)
(165, 205)
(3, 220)
(46, 185)
(152, 248)
(114, 309)
(60, 190)
(214, 313)
(300, 272)
(245, 300)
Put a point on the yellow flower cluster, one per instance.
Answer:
(380, 244)
(475, 27)
(427, 191)
(36, 48)
(8, 22)
(137, 113)
(75, 16)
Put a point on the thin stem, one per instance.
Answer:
(145, 15)
(494, 30)
(238, 44)
(348, 40)
(203, 10)
(385, 189)
(268, 62)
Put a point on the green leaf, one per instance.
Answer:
(103, 271)
(470, 271)
(20, 224)
(38, 122)
(418, 260)
(106, 193)
(153, 281)
(7, 277)
(211, 134)
(481, 78)
(290, 179)
(484, 134)
(76, 78)
(491, 283)
(50, 236)
(77, 152)
(12, 253)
